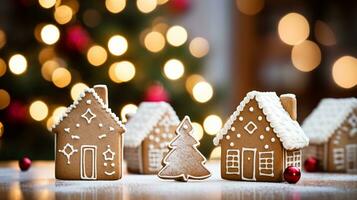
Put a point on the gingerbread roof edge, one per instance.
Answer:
(287, 130)
(98, 99)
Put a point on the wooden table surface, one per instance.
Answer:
(39, 183)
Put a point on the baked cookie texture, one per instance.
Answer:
(148, 133)
(332, 130)
(88, 139)
(261, 138)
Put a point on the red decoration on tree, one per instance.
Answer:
(16, 112)
(292, 174)
(77, 38)
(311, 164)
(156, 92)
(25, 163)
(179, 6)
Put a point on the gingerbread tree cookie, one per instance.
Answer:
(184, 161)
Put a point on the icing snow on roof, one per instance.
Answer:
(98, 99)
(145, 119)
(320, 125)
(288, 130)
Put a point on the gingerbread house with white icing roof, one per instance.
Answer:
(332, 130)
(261, 138)
(148, 133)
(88, 139)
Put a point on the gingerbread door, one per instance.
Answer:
(351, 154)
(248, 163)
(88, 162)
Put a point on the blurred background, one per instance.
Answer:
(202, 56)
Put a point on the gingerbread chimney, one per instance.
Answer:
(102, 92)
(288, 101)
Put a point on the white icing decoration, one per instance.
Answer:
(294, 159)
(228, 137)
(77, 125)
(238, 135)
(232, 162)
(157, 139)
(100, 125)
(272, 139)
(67, 130)
(266, 163)
(250, 127)
(251, 109)
(185, 126)
(109, 173)
(108, 154)
(233, 129)
(88, 115)
(267, 128)
(155, 158)
(240, 118)
(89, 101)
(83, 162)
(261, 137)
(266, 146)
(260, 118)
(111, 128)
(151, 146)
(105, 164)
(67, 153)
(75, 137)
(102, 136)
(151, 137)
(164, 135)
(254, 151)
(231, 144)
(248, 158)
(157, 130)
(113, 164)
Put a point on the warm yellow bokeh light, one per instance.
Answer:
(77, 89)
(2, 38)
(192, 80)
(161, 2)
(61, 77)
(47, 3)
(293, 28)
(146, 6)
(17, 64)
(306, 56)
(324, 33)
(38, 110)
(174, 69)
(63, 14)
(97, 55)
(212, 124)
(117, 45)
(197, 130)
(202, 92)
(57, 113)
(215, 154)
(46, 53)
(48, 68)
(154, 41)
(344, 72)
(49, 123)
(122, 71)
(115, 6)
(250, 7)
(199, 47)
(176, 35)
(4, 99)
(2, 67)
(1, 129)
(50, 34)
(127, 109)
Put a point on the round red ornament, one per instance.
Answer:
(179, 6)
(25, 163)
(156, 92)
(311, 164)
(292, 174)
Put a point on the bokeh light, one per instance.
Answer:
(1, 130)
(46, 54)
(212, 124)
(122, 71)
(48, 68)
(17, 64)
(127, 109)
(38, 110)
(61, 77)
(324, 33)
(47, 3)
(96, 55)
(293, 28)
(202, 92)
(2, 38)
(50, 34)
(77, 89)
(57, 113)
(4, 99)
(344, 72)
(215, 154)
(199, 47)
(161, 2)
(250, 7)
(49, 123)
(191, 81)
(176, 35)
(306, 56)
(115, 6)
(146, 6)
(174, 69)
(2, 67)
(63, 14)
(154, 41)
(117, 45)
(197, 130)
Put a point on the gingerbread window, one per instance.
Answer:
(266, 163)
(294, 159)
(351, 154)
(339, 158)
(155, 157)
(232, 161)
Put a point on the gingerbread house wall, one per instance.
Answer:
(133, 159)
(318, 151)
(242, 148)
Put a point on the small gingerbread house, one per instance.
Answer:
(149, 132)
(88, 139)
(261, 138)
(332, 130)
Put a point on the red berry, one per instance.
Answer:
(25, 163)
(292, 174)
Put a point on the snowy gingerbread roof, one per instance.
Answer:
(104, 106)
(288, 130)
(145, 119)
(320, 125)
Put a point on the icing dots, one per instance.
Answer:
(228, 137)
(231, 144)
(267, 128)
(240, 118)
(261, 137)
(233, 128)
(272, 139)
(260, 118)
(238, 135)
(266, 146)
(251, 109)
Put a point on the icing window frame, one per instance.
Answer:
(266, 163)
(294, 159)
(232, 161)
(155, 157)
(339, 158)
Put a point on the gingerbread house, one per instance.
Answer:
(88, 139)
(332, 130)
(149, 132)
(261, 138)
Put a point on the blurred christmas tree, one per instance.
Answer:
(55, 49)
